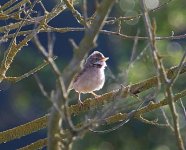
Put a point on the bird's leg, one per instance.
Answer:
(79, 99)
(95, 95)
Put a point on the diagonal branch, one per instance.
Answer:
(41, 123)
(23, 130)
(85, 45)
(39, 144)
(15, 48)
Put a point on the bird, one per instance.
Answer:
(92, 77)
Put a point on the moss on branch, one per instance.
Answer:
(41, 123)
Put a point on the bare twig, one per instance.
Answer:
(14, 48)
(153, 122)
(87, 42)
(183, 107)
(26, 75)
(106, 32)
(173, 79)
(84, 8)
(133, 53)
(113, 20)
(7, 4)
(167, 119)
(61, 91)
(17, 6)
(41, 87)
(52, 63)
(75, 13)
(162, 75)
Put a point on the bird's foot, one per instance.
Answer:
(80, 103)
(95, 95)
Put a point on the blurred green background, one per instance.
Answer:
(23, 101)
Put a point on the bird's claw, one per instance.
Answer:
(80, 103)
(95, 95)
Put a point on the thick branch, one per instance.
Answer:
(24, 129)
(149, 108)
(41, 123)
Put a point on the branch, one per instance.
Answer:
(15, 48)
(130, 89)
(184, 110)
(106, 32)
(6, 5)
(149, 108)
(41, 123)
(36, 145)
(24, 129)
(75, 13)
(161, 72)
(31, 72)
(17, 6)
(85, 45)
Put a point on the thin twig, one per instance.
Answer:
(173, 79)
(183, 107)
(41, 87)
(75, 13)
(85, 45)
(153, 122)
(107, 32)
(26, 75)
(161, 73)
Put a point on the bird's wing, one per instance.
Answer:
(74, 79)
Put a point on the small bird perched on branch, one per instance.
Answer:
(92, 76)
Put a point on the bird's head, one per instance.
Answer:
(96, 59)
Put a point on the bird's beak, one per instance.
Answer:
(104, 59)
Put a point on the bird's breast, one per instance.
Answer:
(91, 80)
